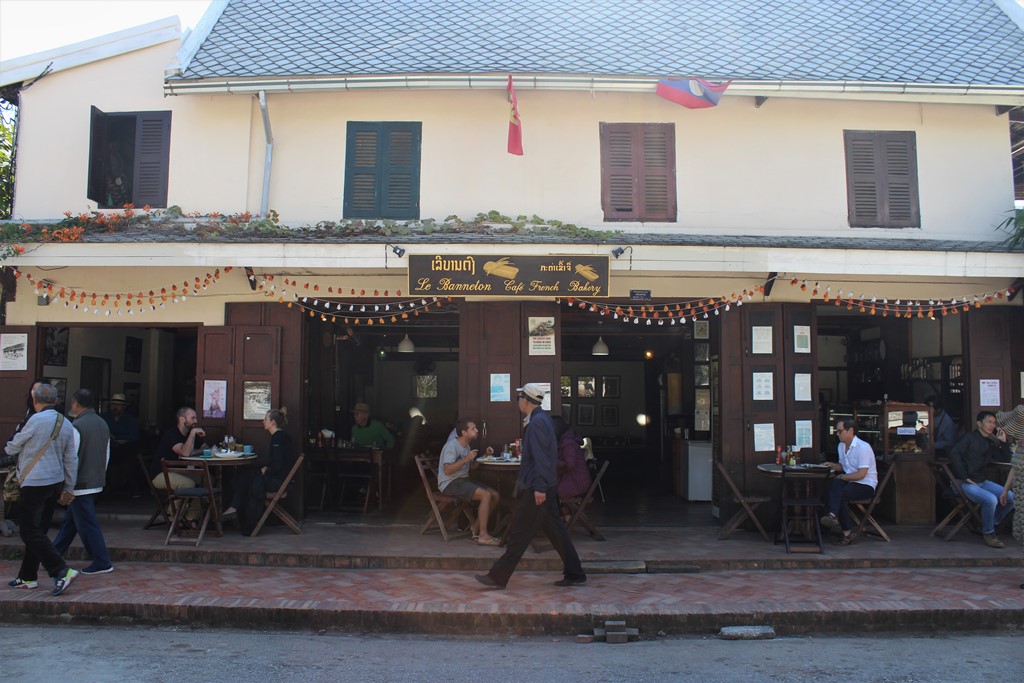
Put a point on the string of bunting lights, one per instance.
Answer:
(678, 312)
(309, 298)
(80, 299)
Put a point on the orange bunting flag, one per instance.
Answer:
(515, 124)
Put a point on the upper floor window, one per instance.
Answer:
(382, 170)
(881, 179)
(638, 171)
(128, 158)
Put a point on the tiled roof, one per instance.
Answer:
(898, 41)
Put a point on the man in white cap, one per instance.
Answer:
(124, 447)
(538, 507)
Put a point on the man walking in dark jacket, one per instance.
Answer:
(538, 507)
(93, 456)
(969, 459)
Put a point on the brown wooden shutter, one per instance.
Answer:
(152, 155)
(99, 154)
(881, 176)
(638, 175)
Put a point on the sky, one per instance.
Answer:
(30, 26)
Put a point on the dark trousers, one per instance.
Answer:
(526, 520)
(839, 492)
(35, 512)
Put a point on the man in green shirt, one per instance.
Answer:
(367, 432)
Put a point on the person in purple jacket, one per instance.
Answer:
(571, 468)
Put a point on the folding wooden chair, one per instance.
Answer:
(577, 505)
(964, 509)
(440, 504)
(159, 497)
(747, 506)
(273, 498)
(861, 510)
(178, 499)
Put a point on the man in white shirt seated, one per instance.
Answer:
(857, 481)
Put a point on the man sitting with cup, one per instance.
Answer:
(453, 478)
(180, 441)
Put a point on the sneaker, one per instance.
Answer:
(18, 583)
(486, 580)
(61, 584)
(571, 581)
(97, 570)
(992, 541)
(830, 521)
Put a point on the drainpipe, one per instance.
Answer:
(269, 156)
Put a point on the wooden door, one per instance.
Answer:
(16, 384)
(490, 340)
(215, 361)
(800, 347)
(258, 354)
(764, 365)
(989, 351)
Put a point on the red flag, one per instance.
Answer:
(515, 124)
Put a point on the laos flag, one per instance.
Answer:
(692, 93)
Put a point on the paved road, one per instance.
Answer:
(170, 655)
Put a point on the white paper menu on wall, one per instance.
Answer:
(761, 340)
(764, 437)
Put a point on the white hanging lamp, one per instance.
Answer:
(600, 348)
(406, 345)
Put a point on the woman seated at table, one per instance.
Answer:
(251, 486)
(571, 466)
(857, 481)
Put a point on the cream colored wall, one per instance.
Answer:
(209, 135)
(778, 169)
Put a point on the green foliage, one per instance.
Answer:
(8, 123)
(1014, 225)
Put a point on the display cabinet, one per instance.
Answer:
(866, 416)
(908, 441)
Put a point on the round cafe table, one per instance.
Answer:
(505, 473)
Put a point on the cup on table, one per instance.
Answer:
(247, 448)
(207, 452)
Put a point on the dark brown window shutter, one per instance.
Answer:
(881, 176)
(152, 153)
(638, 172)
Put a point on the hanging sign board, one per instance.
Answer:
(509, 276)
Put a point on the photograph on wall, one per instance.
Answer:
(132, 354)
(215, 396)
(702, 351)
(14, 349)
(585, 415)
(610, 386)
(426, 386)
(609, 416)
(566, 386)
(256, 397)
(56, 346)
(701, 329)
(586, 387)
(701, 375)
(542, 336)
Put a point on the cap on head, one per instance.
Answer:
(361, 408)
(533, 393)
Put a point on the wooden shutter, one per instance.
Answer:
(881, 176)
(382, 170)
(152, 155)
(98, 156)
(638, 178)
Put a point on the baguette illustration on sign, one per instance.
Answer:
(586, 271)
(501, 268)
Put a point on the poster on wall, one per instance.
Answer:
(15, 351)
(988, 391)
(546, 403)
(801, 338)
(764, 386)
(802, 386)
(761, 339)
(215, 392)
(702, 420)
(256, 397)
(764, 437)
(542, 336)
(501, 387)
(804, 430)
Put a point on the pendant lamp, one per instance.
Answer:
(600, 348)
(406, 345)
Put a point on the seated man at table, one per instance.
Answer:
(180, 441)
(857, 481)
(969, 460)
(367, 431)
(453, 478)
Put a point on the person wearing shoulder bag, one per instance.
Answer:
(47, 471)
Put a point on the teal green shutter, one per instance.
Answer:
(382, 170)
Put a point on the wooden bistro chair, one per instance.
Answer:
(861, 510)
(964, 509)
(444, 510)
(272, 498)
(160, 498)
(748, 504)
(578, 504)
(203, 492)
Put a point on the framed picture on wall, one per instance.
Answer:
(95, 376)
(610, 386)
(566, 386)
(585, 415)
(56, 346)
(567, 413)
(702, 351)
(701, 329)
(586, 387)
(609, 416)
(132, 354)
(256, 400)
(426, 386)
